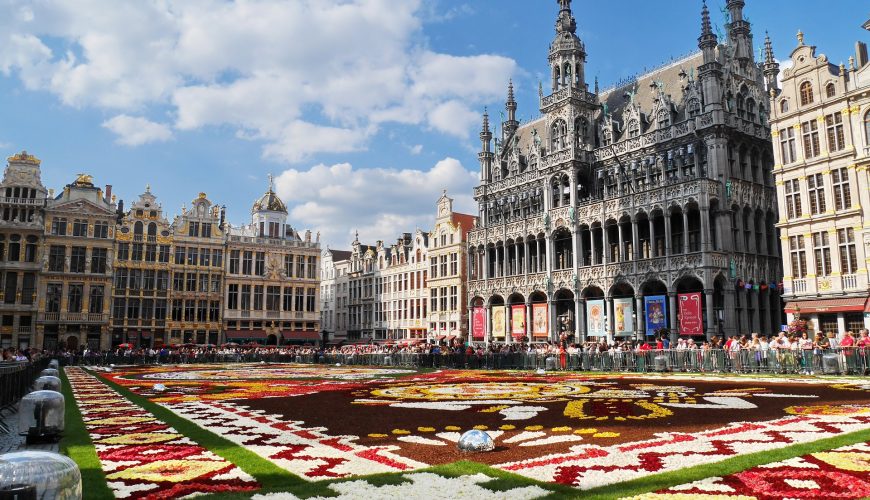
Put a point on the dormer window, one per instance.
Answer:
(694, 108)
(664, 119)
(633, 129)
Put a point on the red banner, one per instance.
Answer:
(691, 316)
(478, 323)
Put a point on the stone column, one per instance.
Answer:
(685, 231)
(672, 312)
(667, 217)
(528, 319)
(620, 240)
(552, 332)
(487, 335)
(640, 324)
(706, 243)
(605, 247)
(608, 302)
(711, 314)
(581, 251)
(763, 299)
(755, 324)
(635, 241)
(581, 320)
(537, 255)
(744, 318)
(730, 326)
(652, 237)
(577, 331)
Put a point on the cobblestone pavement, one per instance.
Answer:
(11, 441)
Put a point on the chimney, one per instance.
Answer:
(223, 216)
(108, 191)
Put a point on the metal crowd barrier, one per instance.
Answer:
(16, 379)
(843, 361)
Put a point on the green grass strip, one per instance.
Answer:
(76, 444)
(269, 475)
(728, 466)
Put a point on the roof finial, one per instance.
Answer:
(270, 181)
(485, 129)
(800, 37)
(768, 49)
(147, 188)
(510, 97)
(706, 27)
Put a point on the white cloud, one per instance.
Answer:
(275, 71)
(415, 149)
(135, 130)
(783, 65)
(379, 202)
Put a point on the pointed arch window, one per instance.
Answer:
(581, 132)
(558, 135)
(607, 137)
(750, 109)
(806, 92)
(830, 90)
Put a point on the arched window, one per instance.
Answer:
(830, 90)
(581, 132)
(750, 109)
(783, 106)
(741, 105)
(806, 93)
(694, 108)
(867, 128)
(138, 227)
(14, 248)
(558, 133)
(633, 128)
(152, 229)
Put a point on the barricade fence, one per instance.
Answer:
(16, 378)
(841, 361)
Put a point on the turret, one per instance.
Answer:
(739, 31)
(485, 156)
(710, 72)
(567, 53)
(771, 67)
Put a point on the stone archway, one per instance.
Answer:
(72, 343)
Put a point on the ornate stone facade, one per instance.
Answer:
(197, 265)
(821, 134)
(272, 278)
(140, 295)
(76, 280)
(334, 284)
(657, 188)
(22, 199)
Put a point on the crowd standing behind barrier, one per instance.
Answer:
(847, 354)
(18, 369)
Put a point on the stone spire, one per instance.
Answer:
(771, 67)
(710, 71)
(485, 156)
(510, 126)
(566, 21)
(708, 41)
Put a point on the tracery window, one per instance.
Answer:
(633, 129)
(558, 135)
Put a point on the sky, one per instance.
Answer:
(363, 110)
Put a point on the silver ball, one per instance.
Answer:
(475, 441)
(338, 364)
(159, 387)
(541, 371)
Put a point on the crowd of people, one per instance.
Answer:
(745, 353)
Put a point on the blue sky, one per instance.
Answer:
(364, 110)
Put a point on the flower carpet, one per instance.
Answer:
(336, 423)
(143, 457)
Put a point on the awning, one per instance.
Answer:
(300, 335)
(441, 337)
(846, 304)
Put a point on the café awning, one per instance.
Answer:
(823, 306)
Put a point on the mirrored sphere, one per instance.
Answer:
(54, 364)
(41, 414)
(48, 372)
(159, 388)
(475, 441)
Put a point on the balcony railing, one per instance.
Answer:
(77, 317)
(849, 281)
(799, 285)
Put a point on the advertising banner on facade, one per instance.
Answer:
(518, 321)
(655, 313)
(478, 323)
(498, 322)
(623, 322)
(691, 316)
(595, 318)
(540, 322)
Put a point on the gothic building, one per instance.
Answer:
(272, 278)
(628, 211)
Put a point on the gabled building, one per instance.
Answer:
(140, 295)
(334, 283)
(76, 279)
(197, 269)
(447, 254)
(22, 199)
(821, 130)
(272, 278)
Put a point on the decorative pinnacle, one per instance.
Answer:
(800, 37)
(485, 129)
(510, 98)
(706, 27)
(768, 49)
